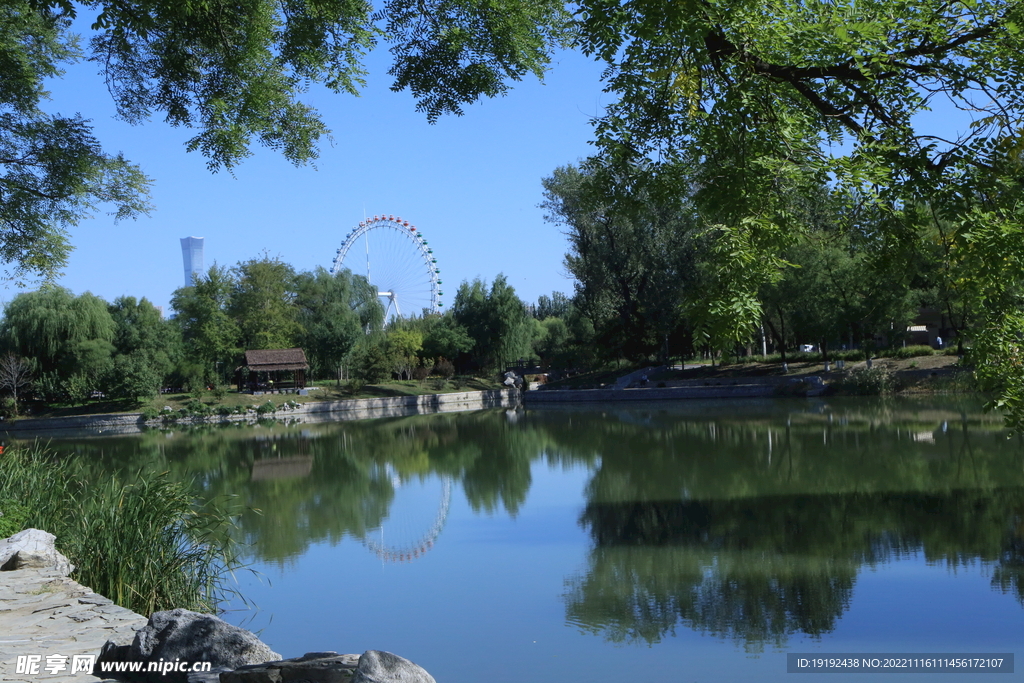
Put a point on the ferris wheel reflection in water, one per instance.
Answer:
(415, 518)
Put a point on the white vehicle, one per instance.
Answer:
(808, 348)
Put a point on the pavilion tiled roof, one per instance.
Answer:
(276, 359)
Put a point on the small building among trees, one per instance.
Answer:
(272, 370)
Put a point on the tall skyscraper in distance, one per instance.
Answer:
(192, 255)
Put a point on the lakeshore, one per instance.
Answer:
(314, 411)
(749, 381)
(496, 528)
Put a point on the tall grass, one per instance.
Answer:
(148, 545)
(876, 381)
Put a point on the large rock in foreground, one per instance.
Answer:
(376, 666)
(32, 549)
(373, 666)
(185, 636)
(314, 667)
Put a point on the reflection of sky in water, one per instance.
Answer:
(487, 603)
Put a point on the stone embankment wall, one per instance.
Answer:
(352, 409)
(539, 398)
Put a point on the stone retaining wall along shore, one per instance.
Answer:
(351, 409)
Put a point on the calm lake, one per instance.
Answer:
(666, 543)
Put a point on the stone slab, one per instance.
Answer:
(44, 613)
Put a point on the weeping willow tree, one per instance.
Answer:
(54, 328)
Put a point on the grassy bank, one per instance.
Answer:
(146, 544)
(915, 370)
(229, 400)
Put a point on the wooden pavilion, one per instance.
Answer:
(265, 370)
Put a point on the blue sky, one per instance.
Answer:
(471, 184)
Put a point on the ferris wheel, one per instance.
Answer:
(397, 260)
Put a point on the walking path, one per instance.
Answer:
(43, 613)
(624, 381)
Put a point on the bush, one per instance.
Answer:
(420, 373)
(150, 412)
(50, 387)
(225, 410)
(196, 387)
(874, 381)
(444, 368)
(197, 407)
(959, 382)
(76, 389)
(8, 407)
(267, 407)
(219, 391)
(912, 351)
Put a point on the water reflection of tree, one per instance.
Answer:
(759, 569)
(352, 473)
(774, 451)
(640, 594)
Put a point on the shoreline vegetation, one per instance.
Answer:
(145, 542)
(222, 401)
(903, 374)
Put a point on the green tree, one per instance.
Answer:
(552, 340)
(837, 293)
(141, 332)
(496, 320)
(445, 338)
(557, 306)
(210, 335)
(632, 254)
(133, 377)
(263, 303)
(57, 330)
(53, 172)
(371, 359)
(403, 347)
(776, 96)
(333, 312)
